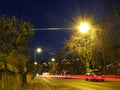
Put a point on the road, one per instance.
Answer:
(40, 83)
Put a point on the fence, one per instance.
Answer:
(10, 79)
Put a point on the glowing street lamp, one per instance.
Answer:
(53, 59)
(84, 27)
(35, 62)
(39, 50)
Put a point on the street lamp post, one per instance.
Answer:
(84, 28)
(38, 50)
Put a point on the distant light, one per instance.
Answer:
(37, 74)
(35, 63)
(53, 59)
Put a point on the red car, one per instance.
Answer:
(94, 76)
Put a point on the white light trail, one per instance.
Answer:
(51, 29)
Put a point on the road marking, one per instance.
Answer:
(44, 84)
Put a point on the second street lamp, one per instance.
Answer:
(38, 50)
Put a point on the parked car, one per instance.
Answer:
(94, 76)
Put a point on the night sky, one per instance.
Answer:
(49, 14)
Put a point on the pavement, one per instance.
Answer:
(36, 84)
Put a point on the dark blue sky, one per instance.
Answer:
(49, 14)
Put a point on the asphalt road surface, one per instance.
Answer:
(40, 83)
